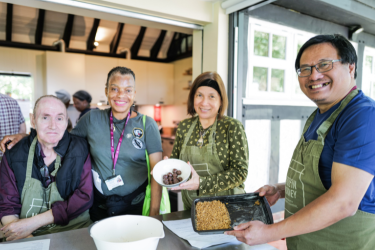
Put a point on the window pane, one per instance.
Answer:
(297, 88)
(368, 64)
(299, 45)
(260, 79)
(277, 80)
(278, 46)
(373, 90)
(19, 88)
(261, 40)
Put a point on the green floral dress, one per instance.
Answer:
(232, 147)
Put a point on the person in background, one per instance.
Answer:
(215, 145)
(64, 96)
(82, 100)
(330, 187)
(11, 118)
(45, 180)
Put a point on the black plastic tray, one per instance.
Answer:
(241, 208)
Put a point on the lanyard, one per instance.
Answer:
(115, 156)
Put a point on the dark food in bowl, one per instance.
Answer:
(172, 178)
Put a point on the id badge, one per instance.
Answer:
(114, 182)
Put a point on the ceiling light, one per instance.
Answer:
(358, 30)
(96, 44)
(354, 30)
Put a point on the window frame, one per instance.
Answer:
(368, 86)
(289, 95)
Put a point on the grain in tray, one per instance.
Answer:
(212, 215)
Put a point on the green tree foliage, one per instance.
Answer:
(19, 87)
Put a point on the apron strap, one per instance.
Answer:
(57, 165)
(324, 129)
(309, 121)
(188, 135)
(30, 159)
(211, 138)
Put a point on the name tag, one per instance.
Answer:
(114, 182)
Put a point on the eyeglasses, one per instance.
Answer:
(320, 67)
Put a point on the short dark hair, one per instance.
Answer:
(121, 70)
(196, 84)
(344, 48)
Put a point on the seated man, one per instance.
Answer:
(46, 180)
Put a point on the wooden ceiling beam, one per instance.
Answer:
(9, 23)
(91, 39)
(172, 46)
(116, 39)
(68, 30)
(40, 27)
(137, 43)
(157, 45)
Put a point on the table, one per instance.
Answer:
(80, 239)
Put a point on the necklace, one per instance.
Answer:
(201, 133)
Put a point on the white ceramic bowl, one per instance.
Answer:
(165, 166)
(131, 232)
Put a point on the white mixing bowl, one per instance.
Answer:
(130, 232)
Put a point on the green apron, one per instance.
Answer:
(303, 185)
(36, 199)
(206, 162)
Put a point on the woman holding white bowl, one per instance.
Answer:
(215, 145)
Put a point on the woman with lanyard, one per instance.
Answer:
(215, 145)
(117, 141)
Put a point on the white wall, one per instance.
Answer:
(213, 46)
(195, 11)
(26, 61)
(215, 43)
(177, 112)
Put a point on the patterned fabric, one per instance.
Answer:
(10, 117)
(232, 147)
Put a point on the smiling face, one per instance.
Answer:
(120, 94)
(207, 103)
(50, 121)
(328, 88)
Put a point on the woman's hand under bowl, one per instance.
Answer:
(192, 184)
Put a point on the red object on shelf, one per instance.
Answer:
(157, 113)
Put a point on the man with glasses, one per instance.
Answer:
(46, 180)
(330, 188)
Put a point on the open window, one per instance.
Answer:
(19, 86)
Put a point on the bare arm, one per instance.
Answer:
(22, 228)
(14, 138)
(22, 128)
(326, 210)
(156, 189)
